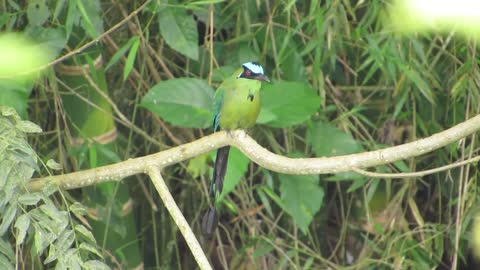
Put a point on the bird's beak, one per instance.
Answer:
(262, 78)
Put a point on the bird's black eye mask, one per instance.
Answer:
(248, 74)
(251, 70)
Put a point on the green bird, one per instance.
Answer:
(236, 105)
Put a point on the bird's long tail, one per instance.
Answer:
(210, 218)
(219, 171)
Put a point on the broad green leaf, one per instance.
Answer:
(37, 12)
(179, 31)
(185, 102)
(293, 68)
(327, 140)
(288, 103)
(236, 169)
(302, 198)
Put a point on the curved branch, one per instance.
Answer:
(262, 157)
(178, 218)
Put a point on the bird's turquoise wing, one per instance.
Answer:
(217, 106)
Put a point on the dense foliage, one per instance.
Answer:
(143, 81)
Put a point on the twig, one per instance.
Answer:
(416, 174)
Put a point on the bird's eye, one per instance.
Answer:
(247, 72)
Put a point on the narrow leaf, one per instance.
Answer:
(22, 224)
(132, 55)
(116, 57)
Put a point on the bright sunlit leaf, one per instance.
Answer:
(19, 56)
(437, 15)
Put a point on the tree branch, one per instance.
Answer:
(261, 156)
(178, 217)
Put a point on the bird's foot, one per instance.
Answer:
(230, 133)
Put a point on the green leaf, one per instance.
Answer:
(293, 67)
(185, 102)
(22, 224)
(37, 12)
(52, 164)
(287, 103)
(419, 82)
(90, 248)
(30, 198)
(179, 31)
(302, 198)
(198, 166)
(120, 52)
(78, 209)
(60, 218)
(49, 188)
(91, 21)
(327, 140)
(95, 265)
(42, 239)
(65, 240)
(7, 218)
(6, 250)
(132, 54)
(262, 248)
(15, 93)
(85, 233)
(6, 263)
(28, 127)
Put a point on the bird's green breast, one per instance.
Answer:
(241, 103)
